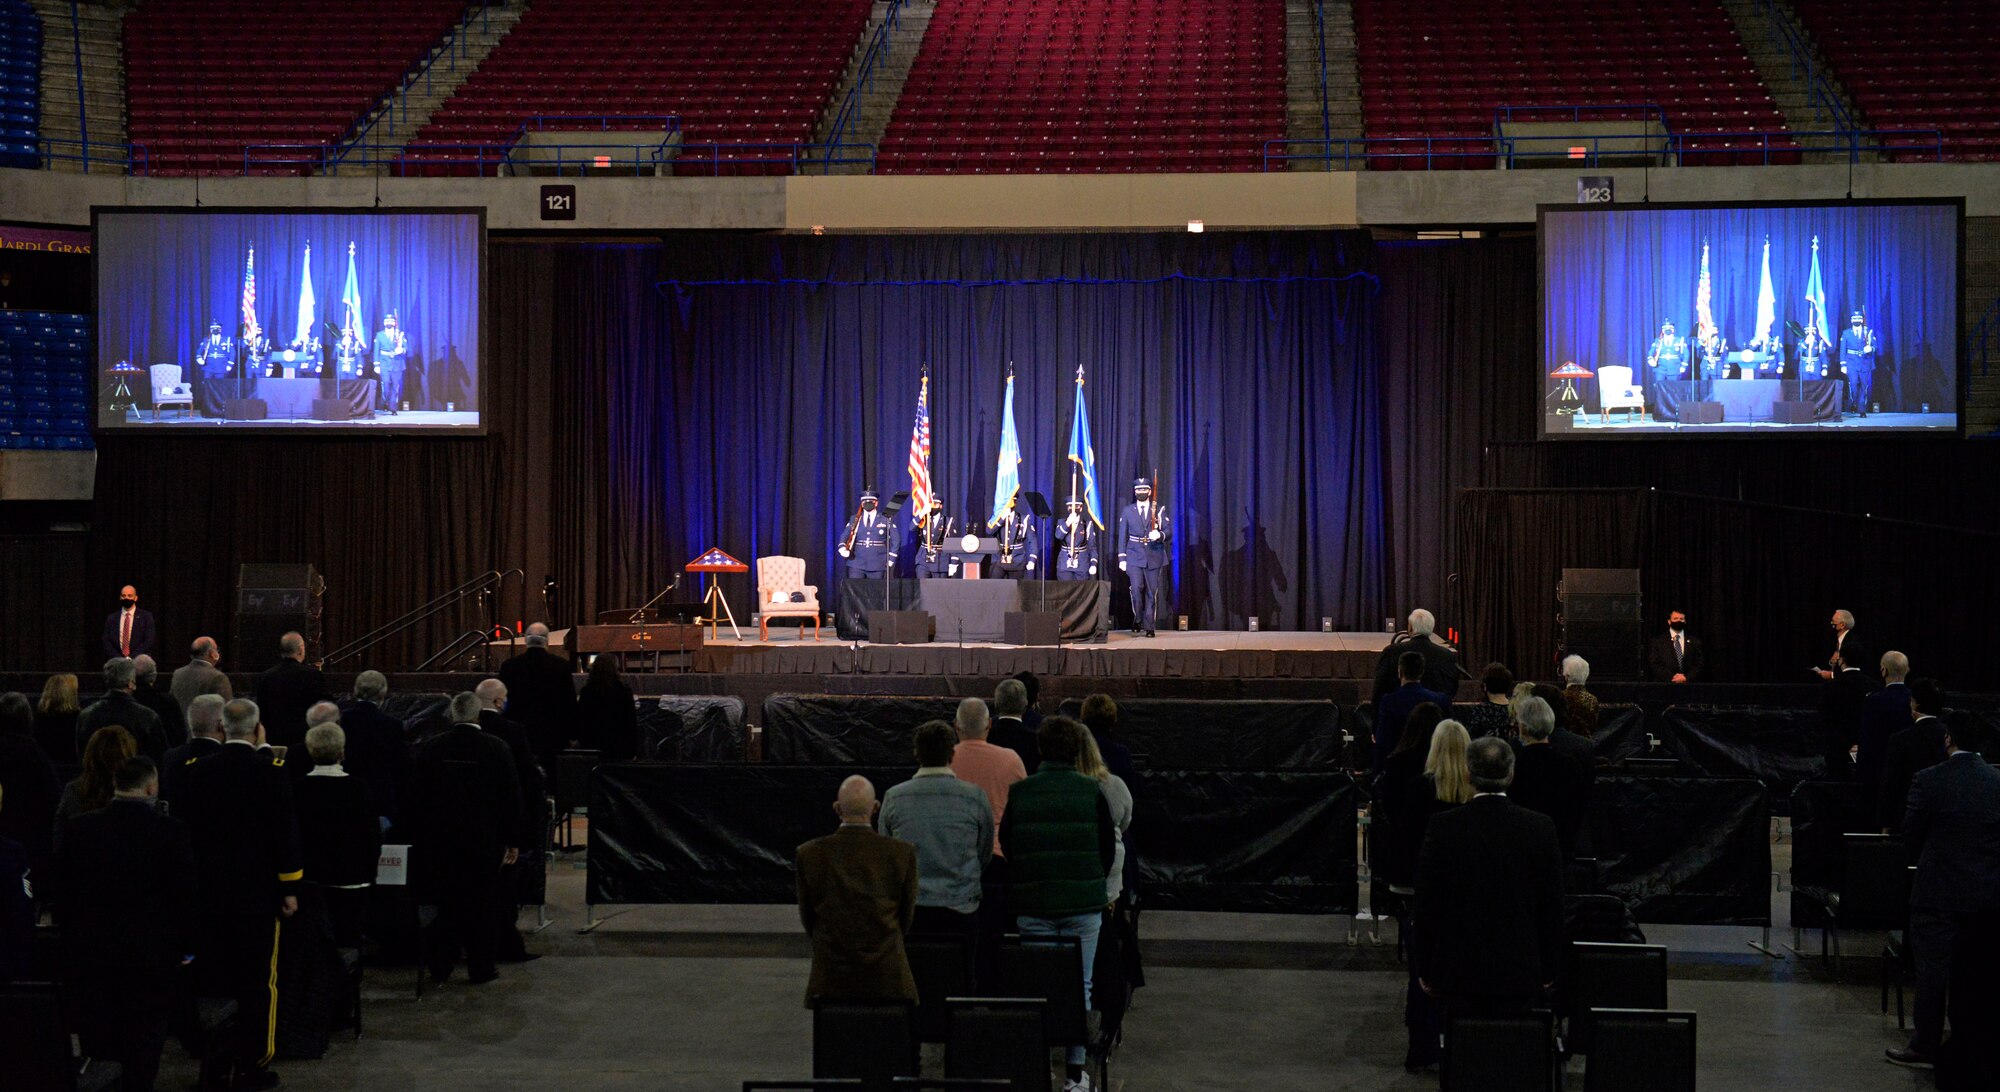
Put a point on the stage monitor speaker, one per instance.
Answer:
(271, 601)
(332, 409)
(1035, 627)
(245, 409)
(1792, 413)
(1701, 413)
(899, 627)
(1600, 613)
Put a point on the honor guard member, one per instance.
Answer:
(866, 544)
(1812, 349)
(1143, 535)
(936, 559)
(1076, 544)
(1857, 361)
(391, 350)
(349, 359)
(214, 360)
(1015, 531)
(1668, 358)
(1714, 351)
(256, 353)
(237, 804)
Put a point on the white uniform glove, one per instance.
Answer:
(1072, 519)
(1121, 566)
(1152, 536)
(1031, 564)
(1093, 568)
(844, 552)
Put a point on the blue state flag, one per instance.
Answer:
(1083, 458)
(1007, 479)
(1816, 297)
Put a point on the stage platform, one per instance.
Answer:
(1195, 654)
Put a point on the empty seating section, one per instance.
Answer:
(1092, 85)
(20, 84)
(1928, 65)
(1439, 69)
(45, 373)
(736, 72)
(205, 78)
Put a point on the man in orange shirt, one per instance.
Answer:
(995, 769)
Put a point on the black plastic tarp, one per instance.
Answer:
(1621, 732)
(1779, 747)
(1263, 841)
(673, 728)
(1683, 850)
(1241, 735)
(836, 730)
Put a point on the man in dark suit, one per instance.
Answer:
(532, 833)
(128, 631)
(284, 692)
(1394, 707)
(541, 695)
(376, 751)
(1883, 714)
(1952, 831)
(120, 706)
(1488, 919)
(857, 898)
(1849, 681)
(237, 804)
(1009, 728)
(1918, 746)
(146, 691)
(1674, 656)
(1545, 779)
(465, 825)
(204, 739)
(1849, 652)
(1441, 671)
(126, 907)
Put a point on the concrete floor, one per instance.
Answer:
(702, 997)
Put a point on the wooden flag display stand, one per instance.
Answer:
(710, 562)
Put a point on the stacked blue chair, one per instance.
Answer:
(45, 389)
(20, 84)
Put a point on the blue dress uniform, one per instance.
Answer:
(1811, 357)
(937, 557)
(1668, 356)
(1018, 546)
(391, 349)
(867, 542)
(1076, 545)
(1857, 361)
(1142, 554)
(215, 356)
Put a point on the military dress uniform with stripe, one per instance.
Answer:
(1076, 547)
(1144, 557)
(871, 534)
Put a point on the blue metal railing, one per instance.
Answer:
(82, 113)
(129, 159)
(1579, 112)
(1983, 340)
(1761, 147)
(1799, 52)
(452, 46)
(497, 159)
(1319, 35)
(847, 118)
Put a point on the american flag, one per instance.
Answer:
(920, 453)
(1704, 314)
(250, 290)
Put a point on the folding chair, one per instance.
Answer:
(1051, 968)
(998, 1037)
(1611, 976)
(1641, 1051)
(1499, 1054)
(939, 963)
(871, 1040)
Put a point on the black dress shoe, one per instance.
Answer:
(255, 1080)
(1907, 1057)
(1150, 633)
(441, 975)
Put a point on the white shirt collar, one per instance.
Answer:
(327, 771)
(1502, 795)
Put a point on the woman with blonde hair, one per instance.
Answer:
(1445, 768)
(55, 719)
(1445, 783)
(1090, 763)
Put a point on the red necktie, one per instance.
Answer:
(125, 634)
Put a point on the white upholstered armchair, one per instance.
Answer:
(1616, 391)
(168, 390)
(779, 580)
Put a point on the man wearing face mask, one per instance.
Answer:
(128, 631)
(1076, 544)
(866, 543)
(1674, 656)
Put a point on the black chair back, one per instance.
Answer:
(1874, 883)
(573, 781)
(1612, 976)
(872, 1040)
(939, 963)
(1050, 968)
(1639, 1051)
(830, 1084)
(35, 1043)
(1499, 1054)
(998, 1037)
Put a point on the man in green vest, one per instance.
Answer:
(1060, 843)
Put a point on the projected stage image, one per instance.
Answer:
(238, 319)
(1677, 321)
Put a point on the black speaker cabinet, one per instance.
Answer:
(1701, 413)
(1792, 413)
(331, 409)
(271, 601)
(899, 627)
(1600, 613)
(1040, 627)
(245, 409)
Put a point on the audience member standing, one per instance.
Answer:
(93, 788)
(1009, 729)
(541, 695)
(1090, 763)
(128, 630)
(1576, 748)
(17, 905)
(1396, 705)
(204, 739)
(857, 900)
(1031, 717)
(1441, 671)
(28, 782)
(1579, 708)
(146, 691)
(1061, 844)
(376, 751)
(118, 706)
(951, 824)
(1100, 715)
(340, 831)
(532, 836)
(1547, 781)
(995, 770)
(465, 826)
(1918, 746)
(237, 804)
(55, 719)
(1489, 897)
(201, 674)
(126, 907)
(1952, 830)
(1883, 714)
(1425, 776)
(607, 721)
(1489, 717)
(284, 692)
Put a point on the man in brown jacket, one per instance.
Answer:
(857, 897)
